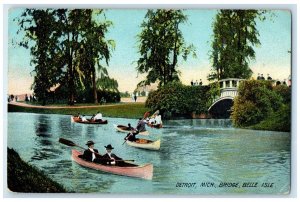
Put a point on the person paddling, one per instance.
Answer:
(131, 136)
(141, 125)
(91, 154)
(109, 158)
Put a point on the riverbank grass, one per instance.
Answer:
(123, 110)
(22, 177)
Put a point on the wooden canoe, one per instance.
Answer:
(77, 120)
(145, 144)
(140, 171)
(155, 125)
(123, 129)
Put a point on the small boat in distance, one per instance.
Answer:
(145, 144)
(128, 169)
(75, 119)
(155, 125)
(125, 129)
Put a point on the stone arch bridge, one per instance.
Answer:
(221, 106)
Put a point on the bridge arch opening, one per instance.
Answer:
(221, 109)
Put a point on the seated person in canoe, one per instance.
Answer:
(129, 127)
(155, 120)
(97, 117)
(158, 120)
(109, 158)
(91, 154)
(131, 136)
(83, 118)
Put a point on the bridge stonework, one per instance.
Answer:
(228, 90)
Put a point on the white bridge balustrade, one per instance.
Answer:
(228, 89)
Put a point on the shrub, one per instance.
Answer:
(257, 101)
(277, 121)
(177, 99)
(284, 91)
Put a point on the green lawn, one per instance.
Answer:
(123, 110)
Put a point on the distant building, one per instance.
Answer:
(145, 90)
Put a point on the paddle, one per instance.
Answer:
(72, 144)
(124, 142)
(69, 143)
(129, 136)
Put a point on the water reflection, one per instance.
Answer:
(43, 149)
(42, 126)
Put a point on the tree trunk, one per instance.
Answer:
(174, 53)
(94, 86)
(70, 73)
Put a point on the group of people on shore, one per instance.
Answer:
(261, 77)
(269, 78)
(196, 83)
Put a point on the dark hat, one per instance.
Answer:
(90, 142)
(109, 147)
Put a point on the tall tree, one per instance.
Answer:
(161, 43)
(94, 47)
(235, 34)
(42, 40)
(68, 47)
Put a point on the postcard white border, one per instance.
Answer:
(213, 4)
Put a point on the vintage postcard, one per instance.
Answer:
(149, 101)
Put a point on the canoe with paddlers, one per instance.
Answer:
(75, 119)
(155, 125)
(126, 168)
(145, 144)
(126, 129)
(153, 121)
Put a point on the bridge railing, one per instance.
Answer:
(229, 83)
(228, 88)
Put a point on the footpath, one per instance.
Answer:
(123, 100)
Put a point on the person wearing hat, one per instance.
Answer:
(109, 158)
(91, 154)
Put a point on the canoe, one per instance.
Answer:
(131, 170)
(155, 125)
(145, 144)
(76, 120)
(123, 129)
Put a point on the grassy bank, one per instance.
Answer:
(126, 110)
(22, 177)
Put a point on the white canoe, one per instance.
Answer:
(120, 128)
(148, 144)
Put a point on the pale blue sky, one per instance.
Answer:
(271, 56)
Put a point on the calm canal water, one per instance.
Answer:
(196, 156)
